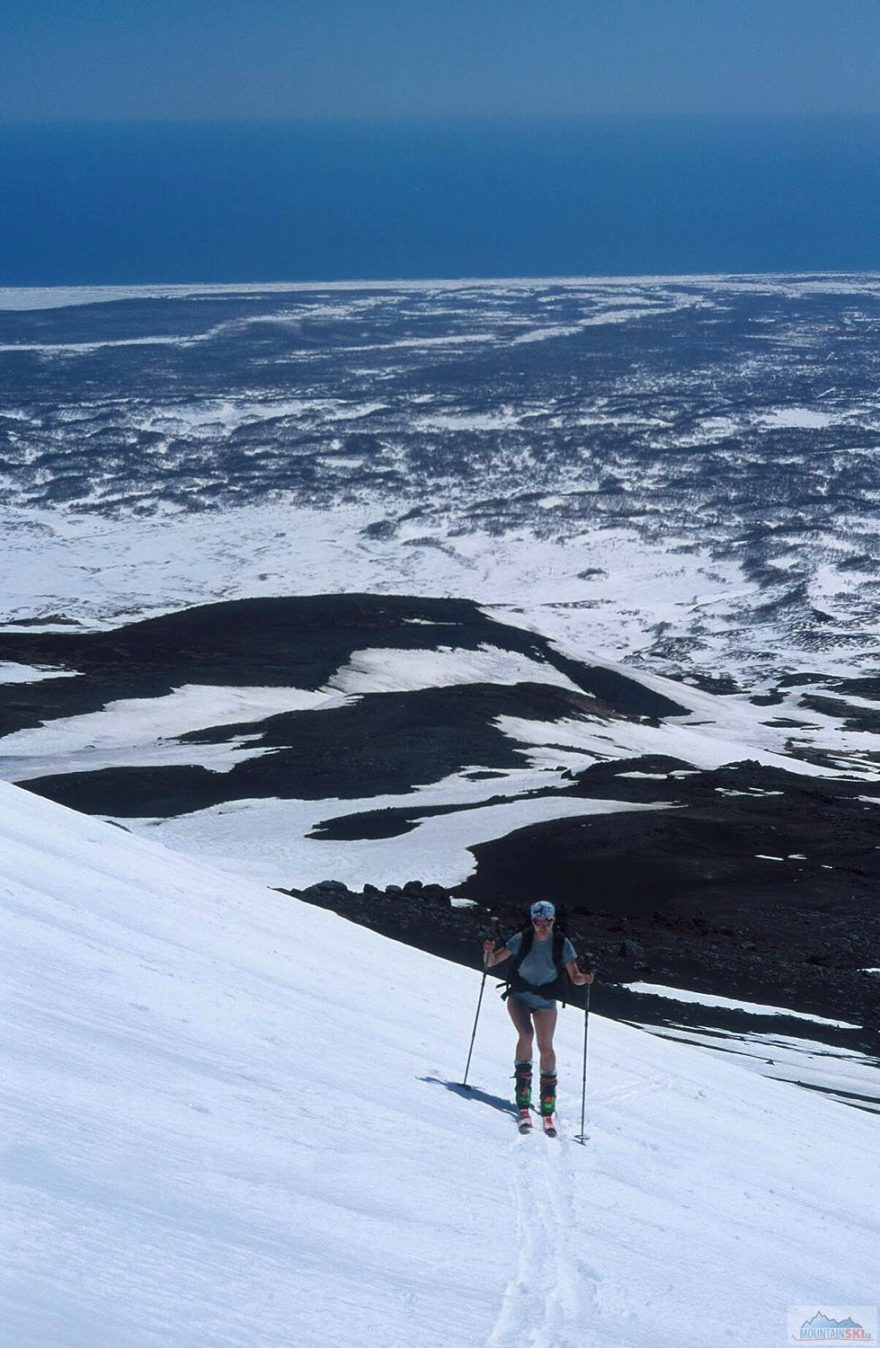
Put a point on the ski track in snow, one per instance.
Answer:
(617, 1094)
(551, 1296)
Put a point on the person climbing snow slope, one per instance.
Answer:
(542, 957)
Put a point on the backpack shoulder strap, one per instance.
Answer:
(528, 937)
(559, 939)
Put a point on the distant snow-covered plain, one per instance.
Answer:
(676, 472)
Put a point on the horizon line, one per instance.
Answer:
(162, 288)
(425, 118)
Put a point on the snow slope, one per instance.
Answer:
(230, 1119)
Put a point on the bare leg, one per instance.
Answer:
(545, 1024)
(522, 1019)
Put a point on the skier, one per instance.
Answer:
(535, 983)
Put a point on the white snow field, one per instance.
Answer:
(226, 1122)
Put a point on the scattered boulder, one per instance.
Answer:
(325, 889)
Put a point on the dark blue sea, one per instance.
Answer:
(126, 204)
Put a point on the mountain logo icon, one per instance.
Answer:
(839, 1327)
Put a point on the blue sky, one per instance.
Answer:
(212, 60)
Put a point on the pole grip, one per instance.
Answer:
(494, 935)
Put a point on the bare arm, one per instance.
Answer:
(491, 956)
(577, 976)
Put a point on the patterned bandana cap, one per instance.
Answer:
(542, 909)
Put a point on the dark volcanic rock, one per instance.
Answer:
(758, 883)
(383, 744)
(377, 744)
(752, 882)
(692, 952)
(325, 890)
(291, 641)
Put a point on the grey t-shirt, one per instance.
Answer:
(537, 968)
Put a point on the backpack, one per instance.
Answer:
(558, 989)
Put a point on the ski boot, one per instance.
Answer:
(548, 1102)
(522, 1073)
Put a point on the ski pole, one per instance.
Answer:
(581, 1137)
(477, 1016)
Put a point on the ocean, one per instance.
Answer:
(128, 204)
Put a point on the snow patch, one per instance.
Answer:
(11, 672)
(270, 839)
(797, 418)
(386, 670)
(734, 1004)
(143, 731)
